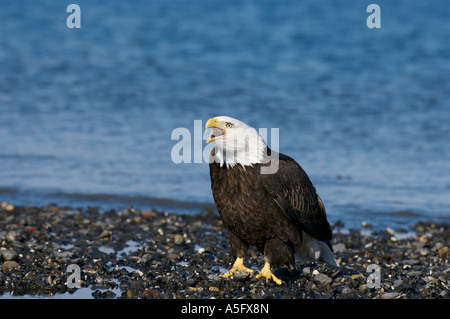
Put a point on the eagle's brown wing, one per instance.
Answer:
(295, 194)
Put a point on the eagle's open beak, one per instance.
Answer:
(216, 129)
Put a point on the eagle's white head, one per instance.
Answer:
(235, 142)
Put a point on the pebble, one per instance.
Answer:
(178, 239)
(241, 275)
(306, 271)
(364, 224)
(105, 234)
(152, 293)
(148, 213)
(424, 251)
(390, 231)
(8, 254)
(11, 236)
(172, 256)
(444, 252)
(138, 254)
(339, 248)
(9, 266)
(358, 276)
(390, 295)
(410, 262)
(213, 277)
(199, 250)
(322, 279)
(414, 273)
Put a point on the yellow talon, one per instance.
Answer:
(265, 272)
(237, 266)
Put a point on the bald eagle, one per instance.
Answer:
(266, 200)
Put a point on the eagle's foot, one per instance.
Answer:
(237, 266)
(267, 273)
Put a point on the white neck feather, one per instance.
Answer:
(246, 148)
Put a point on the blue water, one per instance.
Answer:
(90, 111)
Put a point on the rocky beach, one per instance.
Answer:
(132, 253)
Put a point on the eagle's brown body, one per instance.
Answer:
(269, 211)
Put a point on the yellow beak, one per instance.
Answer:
(212, 122)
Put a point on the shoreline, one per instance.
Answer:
(135, 253)
(353, 217)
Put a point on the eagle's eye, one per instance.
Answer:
(229, 125)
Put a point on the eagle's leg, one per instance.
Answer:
(237, 266)
(267, 273)
(238, 248)
(276, 252)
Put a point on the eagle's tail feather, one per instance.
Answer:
(312, 249)
(327, 255)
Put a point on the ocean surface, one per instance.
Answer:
(87, 114)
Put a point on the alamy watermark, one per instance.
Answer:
(374, 19)
(190, 147)
(374, 279)
(74, 279)
(73, 21)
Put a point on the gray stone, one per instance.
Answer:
(339, 248)
(8, 254)
(398, 282)
(11, 236)
(389, 295)
(241, 275)
(213, 277)
(410, 262)
(321, 279)
(414, 273)
(307, 271)
(390, 231)
(64, 254)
